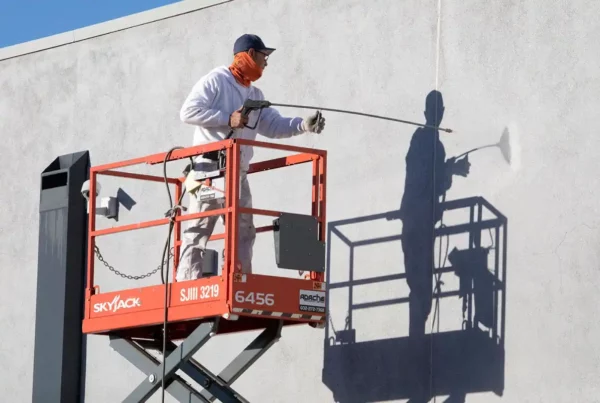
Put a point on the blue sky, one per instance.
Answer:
(26, 20)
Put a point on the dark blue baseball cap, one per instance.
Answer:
(249, 41)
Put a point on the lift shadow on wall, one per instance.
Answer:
(427, 363)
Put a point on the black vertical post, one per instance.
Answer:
(59, 342)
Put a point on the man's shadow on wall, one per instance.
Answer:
(426, 364)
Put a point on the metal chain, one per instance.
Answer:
(332, 327)
(129, 276)
(346, 326)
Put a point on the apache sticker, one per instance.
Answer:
(312, 301)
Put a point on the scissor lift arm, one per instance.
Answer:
(180, 358)
(199, 309)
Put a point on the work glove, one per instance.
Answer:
(462, 167)
(314, 123)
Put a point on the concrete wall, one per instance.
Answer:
(526, 69)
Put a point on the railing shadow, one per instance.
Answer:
(420, 366)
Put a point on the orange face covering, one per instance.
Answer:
(244, 69)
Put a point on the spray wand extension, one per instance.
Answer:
(355, 113)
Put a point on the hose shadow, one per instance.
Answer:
(430, 361)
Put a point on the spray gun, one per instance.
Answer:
(204, 182)
(249, 106)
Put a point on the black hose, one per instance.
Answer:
(165, 279)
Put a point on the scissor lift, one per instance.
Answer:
(230, 302)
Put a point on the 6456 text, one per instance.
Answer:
(255, 298)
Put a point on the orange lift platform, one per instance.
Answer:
(196, 310)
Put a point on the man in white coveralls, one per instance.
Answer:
(214, 108)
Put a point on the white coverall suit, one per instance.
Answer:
(209, 105)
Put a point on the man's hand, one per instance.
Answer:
(462, 167)
(314, 123)
(236, 120)
(393, 215)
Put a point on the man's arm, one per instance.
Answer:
(197, 108)
(275, 126)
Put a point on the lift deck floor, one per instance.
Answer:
(139, 312)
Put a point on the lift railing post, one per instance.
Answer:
(62, 248)
(227, 262)
(315, 187)
(322, 183)
(235, 205)
(323, 202)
